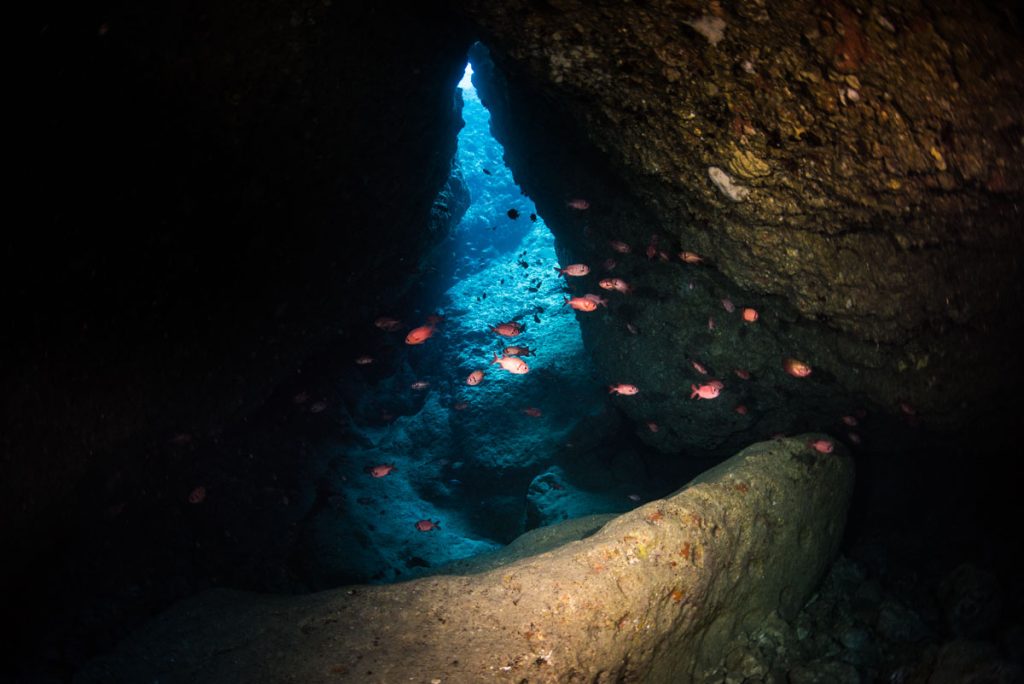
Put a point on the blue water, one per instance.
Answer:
(484, 462)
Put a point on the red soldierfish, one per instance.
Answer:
(475, 378)
(728, 305)
(364, 360)
(708, 391)
(510, 329)
(532, 411)
(428, 525)
(597, 299)
(624, 389)
(513, 364)
(420, 335)
(517, 351)
(798, 369)
(617, 284)
(574, 270)
(750, 315)
(822, 446)
(580, 303)
(620, 247)
(691, 257)
(578, 204)
(699, 367)
(381, 470)
(420, 385)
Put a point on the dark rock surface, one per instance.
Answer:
(229, 196)
(852, 170)
(655, 595)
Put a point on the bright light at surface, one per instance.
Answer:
(466, 83)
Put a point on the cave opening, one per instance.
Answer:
(497, 422)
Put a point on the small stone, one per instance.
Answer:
(736, 193)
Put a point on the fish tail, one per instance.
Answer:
(693, 392)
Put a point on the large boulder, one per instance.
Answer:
(654, 595)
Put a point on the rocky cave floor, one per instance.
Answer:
(892, 607)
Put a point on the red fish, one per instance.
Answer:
(652, 247)
(620, 246)
(609, 264)
(711, 324)
(574, 270)
(699, 367)
(578, 204)
(741, 409)
(517, 351)
(597, 299)
(617, 284)
(420, 385)
(796, 368)
(624, 389)
(475, 378)
(381, 470)
(181, 439)
(197, 495)
(388, 324)
(428, 525)
(364, 360)
(750, 315)
(691, 257)
(510, 329)
(853, 437)
(742, 374)
(708, 391)
(633, 330)
(513, 364)
(461, 406)
(728, 305)
(532, 411)
(580, 303)
(420, 335)
(823, 446)
(652, 426)
(850, 420)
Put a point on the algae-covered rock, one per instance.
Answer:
(656, 594)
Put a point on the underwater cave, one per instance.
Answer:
(522, 341)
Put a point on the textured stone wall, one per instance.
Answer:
(854, 168)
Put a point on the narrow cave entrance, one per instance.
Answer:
(502, 424)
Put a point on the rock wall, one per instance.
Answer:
(654, 595)
(852, 168)
(215, 190)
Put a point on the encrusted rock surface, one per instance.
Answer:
(655, 595)
(859, 164)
